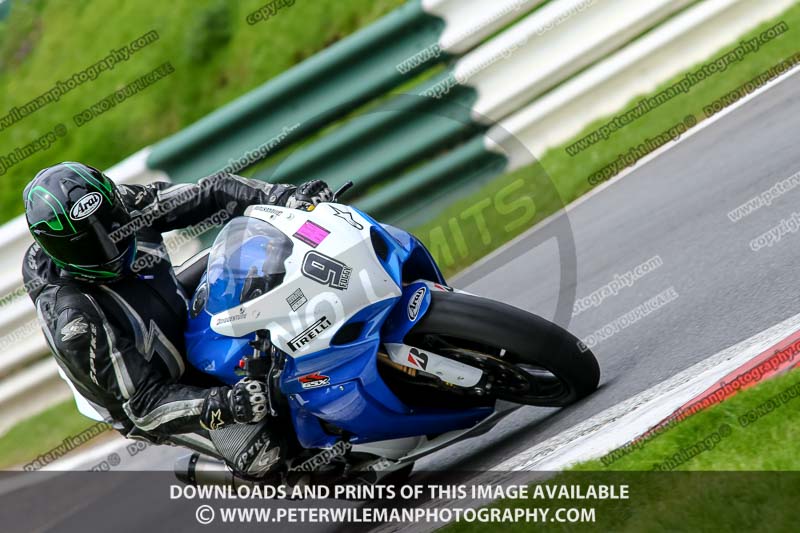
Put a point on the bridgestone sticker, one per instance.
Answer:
(418, 358)
(241, 315)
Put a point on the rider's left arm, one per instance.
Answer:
(224, 196)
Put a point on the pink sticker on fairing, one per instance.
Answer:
(312, 234)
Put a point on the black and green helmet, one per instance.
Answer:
(73, 211)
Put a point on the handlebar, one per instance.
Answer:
(341, 190)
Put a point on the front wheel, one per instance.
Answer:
(525, 358)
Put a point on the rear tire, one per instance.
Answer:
(558, 368)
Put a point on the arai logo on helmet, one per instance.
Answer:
(415, 303)
(85, 206)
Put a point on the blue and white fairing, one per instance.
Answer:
(328, 285)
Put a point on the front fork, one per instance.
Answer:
(266, 364)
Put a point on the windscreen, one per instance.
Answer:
(246, 261)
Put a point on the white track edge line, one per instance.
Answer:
(629, 419)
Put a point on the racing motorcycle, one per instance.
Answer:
(366, 348)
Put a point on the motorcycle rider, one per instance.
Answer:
(113, 312)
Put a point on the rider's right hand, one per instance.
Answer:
(310, 194)
(248, 401)
(244, 403)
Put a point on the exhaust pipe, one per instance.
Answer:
(196, 469)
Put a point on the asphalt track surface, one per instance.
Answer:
(675, 207)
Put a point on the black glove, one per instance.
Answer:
(244, 403)
(308, 194)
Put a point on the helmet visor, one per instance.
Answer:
(88, 248)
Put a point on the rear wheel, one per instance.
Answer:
(525, 358)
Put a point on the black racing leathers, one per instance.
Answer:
(121, 343)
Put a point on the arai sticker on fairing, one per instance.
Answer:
(415, 303)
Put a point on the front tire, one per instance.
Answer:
(527, 359)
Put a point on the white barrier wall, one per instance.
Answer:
(681, 43)
(468, 22)
(549, 45)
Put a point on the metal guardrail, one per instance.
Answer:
(679, 43)
(331, 84)
(542, 108)
(5, 8)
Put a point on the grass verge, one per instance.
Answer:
(567, 176)
(762, 425)
(39, 434)
(698, 476)
(216, 55)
